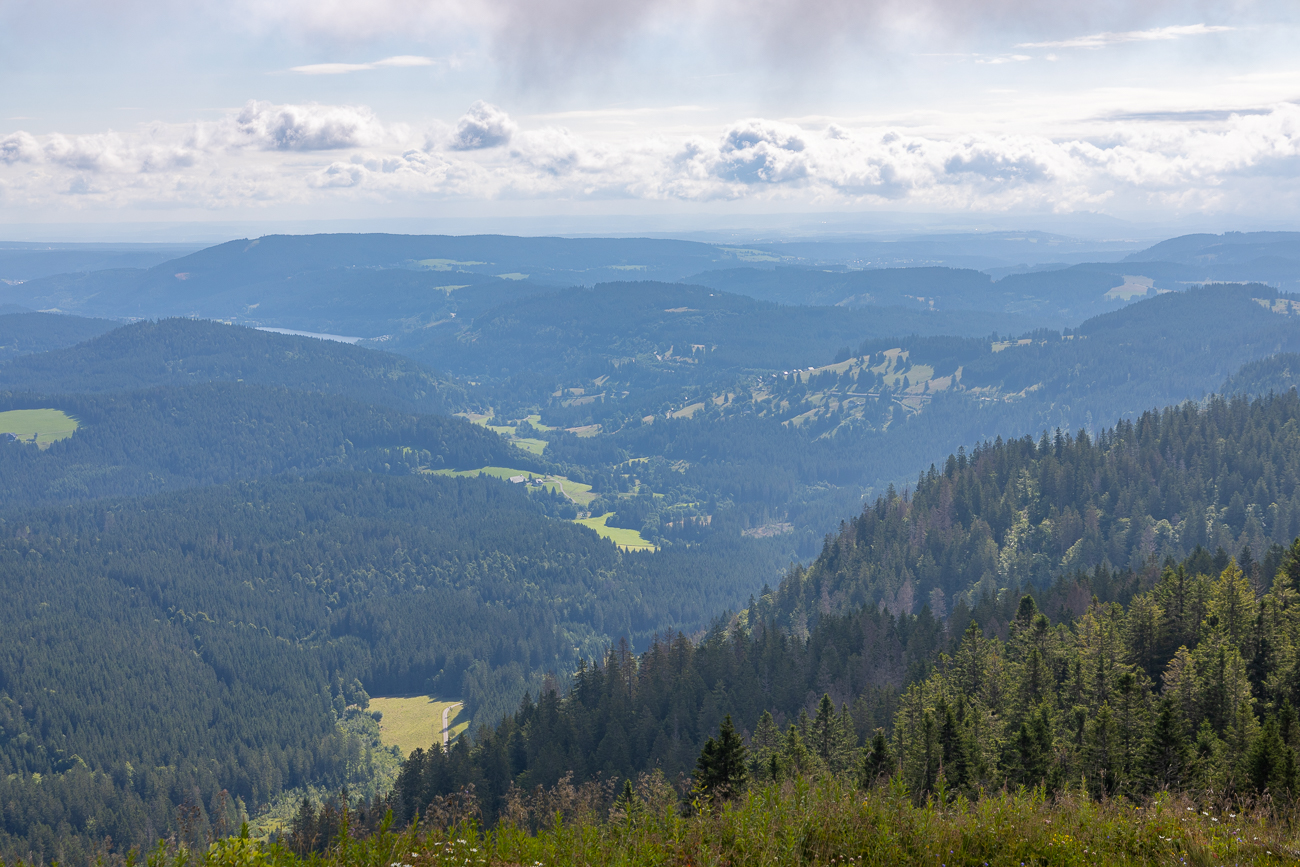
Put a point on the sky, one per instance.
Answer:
(149, 111)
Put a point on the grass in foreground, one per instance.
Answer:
(416, 721)
(41, 426)
(803, 823)
(628, 540)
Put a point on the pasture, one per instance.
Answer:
(416, 721)
(628, 540)
(578, 492)
(40, 426)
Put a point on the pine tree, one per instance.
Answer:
(765, 748)
(879, 761)
(1167, 754)
(720, 773)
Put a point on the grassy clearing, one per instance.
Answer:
(40, 426)
(628, 540)
(531, 445)
(578, 492)
(416, 721)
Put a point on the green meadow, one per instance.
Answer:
(416, 721)
(628, 540)
(41, 426)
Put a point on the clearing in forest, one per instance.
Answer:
(628, 540)
(416, 721)
(41, 426)
(578, 492)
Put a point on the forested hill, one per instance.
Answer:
(686, 332)
(1276, 373)
(147, 441)
(186, 351)
(1018, 513)
(157, 651)
(25, 333)
(1181, 678)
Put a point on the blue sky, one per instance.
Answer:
(343, 110)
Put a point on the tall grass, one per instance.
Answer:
(801, 822)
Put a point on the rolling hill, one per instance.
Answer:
(177, 352)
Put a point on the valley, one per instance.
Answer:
(245, 569)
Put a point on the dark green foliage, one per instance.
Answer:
(1020, 513)
(720, 773)
(25, 333)
(181, 352)
(627, 716)
(168, 437)
(208, 637)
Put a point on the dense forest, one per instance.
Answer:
(25, 333)
(177, 352)
(249, 534)
(1019, 512)
(1079, 526)
(1185, 680)
(146, 441)
(1276, 373)
(204, 638)
(797, 451)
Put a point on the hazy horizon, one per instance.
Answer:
(660, 116)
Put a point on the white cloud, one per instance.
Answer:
(402, 60)
(308, 127)
(1158, 34)
(19, 147)
(1005, 58)
(483, 126)
(325, 157)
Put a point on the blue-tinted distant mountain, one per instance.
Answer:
(1056, 298)
(1230, 248)
(22, 333)
(1267, 257)
(688, 330)
(363, 285)
(978, 250)
(27, 261)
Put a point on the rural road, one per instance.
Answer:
(446, 714)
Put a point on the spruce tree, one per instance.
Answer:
(720, 772)
(879, 761)
(1167, 754)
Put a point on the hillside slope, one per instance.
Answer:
(177, 352)
(158, 439)
(157, 651)
(26, 333)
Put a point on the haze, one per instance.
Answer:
(670, 114)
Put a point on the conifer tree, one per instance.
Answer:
(720, 772)
(1167, 753)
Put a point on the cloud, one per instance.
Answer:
(401, 60)
(1158, 34)
(483, 126)
(308, 127)
(331, 157)
(19, 147)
